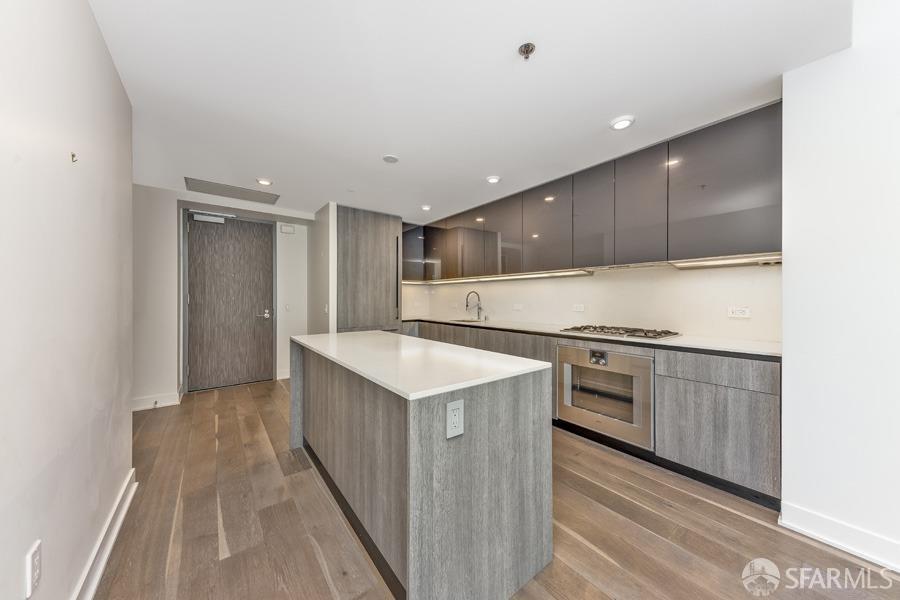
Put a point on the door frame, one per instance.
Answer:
(184, 219)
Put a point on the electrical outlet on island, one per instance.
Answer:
(738, 312)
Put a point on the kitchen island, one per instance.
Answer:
(443, 514)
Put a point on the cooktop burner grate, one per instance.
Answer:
(653, 334)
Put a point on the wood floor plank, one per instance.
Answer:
(564, 583)
(292, 553)
(237, 510)
(249, 574)
(265, 472)
(341, 555)
(598, 568)
(660, 564)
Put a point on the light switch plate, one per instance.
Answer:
(738, 312)
(455, 418)
(32, 569)
(578, 307)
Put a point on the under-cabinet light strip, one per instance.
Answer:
(541, 275)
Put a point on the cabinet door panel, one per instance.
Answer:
(503, 235)
(593, 222)
(547, 226)
(730, 433)
(725, 189)
(465, 244)
(434, 251)
(641, 207)
(368, 283)
(413, 252)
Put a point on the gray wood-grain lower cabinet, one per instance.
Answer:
(731, 433)
(368, 270)
(466, 517)
(741, 373)
(720, 415)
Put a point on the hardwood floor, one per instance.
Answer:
(226, 510)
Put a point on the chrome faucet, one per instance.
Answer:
(477, 305)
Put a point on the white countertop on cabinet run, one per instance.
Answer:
(715, 344)
(413, 367)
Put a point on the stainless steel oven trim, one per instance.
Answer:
(640, 433)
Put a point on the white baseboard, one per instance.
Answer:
(865, 544)
(155, 401)
(286, 374)
(90, 577)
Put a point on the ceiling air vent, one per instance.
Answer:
(229, 191)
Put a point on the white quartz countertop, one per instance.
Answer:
(412, 367)
(715, 344)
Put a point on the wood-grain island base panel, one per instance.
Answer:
(468, 517)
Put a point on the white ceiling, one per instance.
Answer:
(312, 94)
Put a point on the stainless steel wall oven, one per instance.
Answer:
(607, 392)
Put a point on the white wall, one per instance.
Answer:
(691, 302)
(291, 284)
(66, 304)
(156, 298)
(841, 406)
(157, 365)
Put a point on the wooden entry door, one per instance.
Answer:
(231, 320)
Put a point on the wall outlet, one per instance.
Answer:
(32, 569)
(455, 418)
(578, 307)
(738, 312)
(518, 307)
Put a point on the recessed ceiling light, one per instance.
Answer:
(390, 159)
(262, 181)
(535, 235)
(426, 207)
(549, 198)
(622, 122)
(674, 161)
(493, 179)
(479, 219)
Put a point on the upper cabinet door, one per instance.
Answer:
(434, 251)
(641, 211)
(547, 226)
(413, 252)
(593, 223)
(502, 235)
(725, 188)
(464, 245)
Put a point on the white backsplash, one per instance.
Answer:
(690, 302)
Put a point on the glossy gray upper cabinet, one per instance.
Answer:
(413, 252)
(641, 211)
(547, 226)
(434, 251)
(503, 235)
(464, 245)
(725, 188)
(593, 222)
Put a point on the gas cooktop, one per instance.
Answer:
(653, 334)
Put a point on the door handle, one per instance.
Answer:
(265, 315)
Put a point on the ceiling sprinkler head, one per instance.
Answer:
(526, 50)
